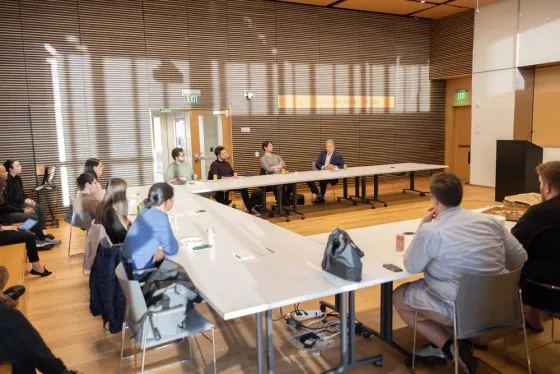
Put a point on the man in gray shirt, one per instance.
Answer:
(273, 164)
(450, 242)
(85, 204)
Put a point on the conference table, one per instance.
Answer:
(256, 266)
(293, 178)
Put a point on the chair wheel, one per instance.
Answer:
(379, 364)
(302, 217)
(323, 308)
(287, 219)
(338, 200)
(367, 201)
(373, 207)
(271, 215)
(422, 194)
(234, 206)
(354, 203)
(385, 205)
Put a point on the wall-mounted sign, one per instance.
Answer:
(192, 96)
(166, 110)
(334, 102)
(462, 95)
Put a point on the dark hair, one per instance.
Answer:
(83, 179)
(218, 150)
(9, 163)
(447, 189)
(550, 173)
(115, 198)
(266, 143)
(90, 164)
(175, 152)
(159, 194)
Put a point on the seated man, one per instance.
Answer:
(327, 160)
(223, 169)
(450, 242)
(179, 172)
(544, 257)
(273, 164)
(85, 204)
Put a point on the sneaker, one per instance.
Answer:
(43, 245)
(319, 200)
(255, 213)
(431, 355)
(467, 362)
(4, 275)
(54, 242)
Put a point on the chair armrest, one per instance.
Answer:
(547, 286)
(439, 297)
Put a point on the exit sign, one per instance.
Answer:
(192, 96)
(462, 95)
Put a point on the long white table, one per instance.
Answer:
(293, 178)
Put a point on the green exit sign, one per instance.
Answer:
(462, 95)
(192, 96)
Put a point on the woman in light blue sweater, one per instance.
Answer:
(150, 236)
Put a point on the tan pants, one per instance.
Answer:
(423, 314)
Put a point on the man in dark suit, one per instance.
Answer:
(328, 160)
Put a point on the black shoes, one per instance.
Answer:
(45, 272)
(50, 236)
(467, 361)
(15, 292)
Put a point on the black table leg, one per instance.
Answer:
(411, 178)
(376, 192)
(294, 205)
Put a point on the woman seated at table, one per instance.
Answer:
(112, 211)
(150, 236)
(95, 166)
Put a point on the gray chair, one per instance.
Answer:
(485, 304)
(138, 319)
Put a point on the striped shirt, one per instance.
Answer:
(457, 242)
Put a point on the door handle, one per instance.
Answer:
(463, 145)
(469, 158)
(196, 157)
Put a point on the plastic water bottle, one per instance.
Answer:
(210, 237)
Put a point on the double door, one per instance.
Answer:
(197, 131)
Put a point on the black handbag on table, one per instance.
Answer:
(342, 257)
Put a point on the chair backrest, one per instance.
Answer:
(544, 245)
(262, 171)
(209, 176)
(488, 303)
(137, 308)
(314, 166)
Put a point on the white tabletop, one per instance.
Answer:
(281, 272)
(310, 176)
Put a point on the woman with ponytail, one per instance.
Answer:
(150, 236)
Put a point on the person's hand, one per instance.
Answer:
(29, 201)
(329, 167)
(235, 175)
(429, 215)
(8, 228)
(158, 255)
(28, 210)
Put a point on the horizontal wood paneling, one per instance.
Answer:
(96, 67)
(451, 51)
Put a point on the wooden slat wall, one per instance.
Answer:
(451, 51)
(96, 67)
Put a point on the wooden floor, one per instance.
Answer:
(58, 306)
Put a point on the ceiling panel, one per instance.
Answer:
(311, 2)
(385, 6)
(440, 11)
(471, 3)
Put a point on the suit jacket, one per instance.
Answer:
(336, 160)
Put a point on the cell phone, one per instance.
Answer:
(202, 246)
(27, 225)
(393, 268)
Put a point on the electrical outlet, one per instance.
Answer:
(257, 154)
(307, 314)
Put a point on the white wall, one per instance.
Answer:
(539, 32)
(495, 36)
(551, 154)
(493, 104)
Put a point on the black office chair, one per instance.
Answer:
(226, 193)
(544, 259)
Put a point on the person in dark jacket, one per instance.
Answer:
(542, 247)
(21, 207)
(23, 347)
(112, 211)
(328, 160)
(10, 235)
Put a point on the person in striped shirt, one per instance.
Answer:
(451, 241)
